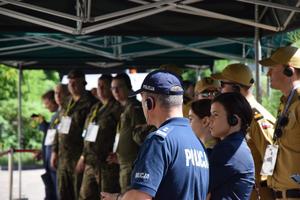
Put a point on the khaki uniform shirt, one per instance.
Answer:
(288, 157)
(130, 119)
(106, 117)
(69, 146)
(260, 135)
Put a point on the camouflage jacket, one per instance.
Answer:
(69, 146)
(107, 116)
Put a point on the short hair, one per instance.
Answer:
(201, 108)
(236, 104)
(125, 78)
(49, 95)
(166, 101)
(106, 77)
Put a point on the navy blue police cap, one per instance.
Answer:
(161, 82)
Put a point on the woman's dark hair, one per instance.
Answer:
(125, 78)
(236, 104)
(201, 107)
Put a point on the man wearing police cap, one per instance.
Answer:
(284, 73)
(69, 146)
(238, 78)
(172, 163)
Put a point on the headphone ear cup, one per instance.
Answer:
(288, 71)
(149, 103)
(232, 120)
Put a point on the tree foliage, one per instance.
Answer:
(34, 84)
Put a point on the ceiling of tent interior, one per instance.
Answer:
(111, 34)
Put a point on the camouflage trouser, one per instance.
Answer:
(68, 184)
(90, 188)
(125, 175)
(96, 180)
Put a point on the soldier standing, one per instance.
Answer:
(69, 146)
(99, 134)
(238, 78)
(128, 129)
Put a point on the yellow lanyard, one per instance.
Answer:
(56, 121)
(94, 114)
(70, 106)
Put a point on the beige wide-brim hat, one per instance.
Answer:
(206, 83)
(283, 56)
(237, 73)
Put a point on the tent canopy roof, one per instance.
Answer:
(120, 33)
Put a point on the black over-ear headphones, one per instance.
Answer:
(232, 120)
(288, 71)
(149, 103)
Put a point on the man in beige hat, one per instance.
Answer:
(206, 88)
(284, 72)
(238, 78)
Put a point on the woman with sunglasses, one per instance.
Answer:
(231, 162)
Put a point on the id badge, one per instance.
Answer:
(50, 137)
(92, 132)
(269, 160)
(65, 124)
(116, 143)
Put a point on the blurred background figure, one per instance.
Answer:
(199, 116)
(49, 178)
(206, 88)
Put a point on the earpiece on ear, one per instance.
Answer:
(232, 120)
(288, 71)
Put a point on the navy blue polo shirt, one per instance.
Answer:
(172, 164)
(231, 169)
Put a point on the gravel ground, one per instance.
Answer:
(32, 185)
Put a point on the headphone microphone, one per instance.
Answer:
(288, 71)
(232, 120)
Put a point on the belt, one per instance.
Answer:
(292, 193)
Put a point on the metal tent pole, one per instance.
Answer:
(257, 57)
(20, 126)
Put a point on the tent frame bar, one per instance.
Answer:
(83, 11)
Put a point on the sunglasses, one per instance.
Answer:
(223, 83)
(206, 94)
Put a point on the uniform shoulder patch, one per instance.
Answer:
(257, 114)
(163, 131)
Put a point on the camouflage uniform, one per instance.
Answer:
(98, 174)
(127, 149)
(69, 147)
(259, 136)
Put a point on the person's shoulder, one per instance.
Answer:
(260, 113)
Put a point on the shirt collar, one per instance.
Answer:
(181, 121)
(235, 135)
